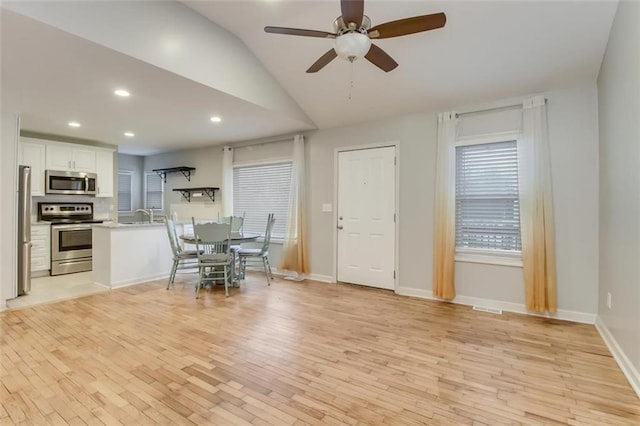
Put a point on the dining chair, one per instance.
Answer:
(237, 223)
(246, 254)
(213, 241)
(182, 259)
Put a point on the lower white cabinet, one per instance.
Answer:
(40, 247)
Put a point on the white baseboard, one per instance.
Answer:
(415, 292)
(519, 308)
(321, 278)
(628, 369)
(127, 283)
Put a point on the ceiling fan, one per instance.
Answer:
(353, 34)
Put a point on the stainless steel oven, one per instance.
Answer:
(71, 235)
(70, 183)
(71, 248)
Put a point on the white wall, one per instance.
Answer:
(573, 132)
(8, 194)
(619, 96)
(574, 149)
(208, 173)
(167, 27)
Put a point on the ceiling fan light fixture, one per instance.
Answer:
(352, 45)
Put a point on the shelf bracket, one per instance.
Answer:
(187, 174)
(163, 176)
(211, 194)
(186, 195)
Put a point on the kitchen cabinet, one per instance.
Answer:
(40, 247)
(104, 170)
(32, 154)
(69, 157)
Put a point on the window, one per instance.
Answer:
(260, 190)
(124, 190)
(154, 191)
(487, 206)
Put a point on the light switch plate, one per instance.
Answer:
(327, 207)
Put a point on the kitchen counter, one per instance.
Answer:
(125, 254)
(129, 224)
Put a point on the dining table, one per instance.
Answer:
(236, 238)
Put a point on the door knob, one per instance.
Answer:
(339, 226)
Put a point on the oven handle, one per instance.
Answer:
(71, 227)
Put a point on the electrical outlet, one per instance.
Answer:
(609, 300)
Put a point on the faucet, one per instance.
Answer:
(147, 212)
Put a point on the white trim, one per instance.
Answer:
(415, 292)
(274, 160)
(322, 278)
(518, 308)
(489, 259)
(139, 280)
(628, 369)
(396, 146)
(489, 138)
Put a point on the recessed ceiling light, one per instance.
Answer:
(121, 92)
(216, 119)
(74, 124)
(129, 134)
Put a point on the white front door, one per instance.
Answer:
(366, 217)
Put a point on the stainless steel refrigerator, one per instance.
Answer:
(24, 230)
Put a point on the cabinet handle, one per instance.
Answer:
(69, 163)
(74, 164)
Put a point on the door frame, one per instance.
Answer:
(337, 151)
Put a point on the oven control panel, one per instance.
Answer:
(65, 211)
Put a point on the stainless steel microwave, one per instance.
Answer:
(70, 183)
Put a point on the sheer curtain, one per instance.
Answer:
(227, 181)
(445, 208)
(294, 255)
(536, 209)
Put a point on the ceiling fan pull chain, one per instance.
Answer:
(351, 81)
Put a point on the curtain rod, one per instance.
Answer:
(492, 109)
(276, 139)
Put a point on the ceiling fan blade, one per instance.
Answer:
(323, 61)
(299, 32)
(407, 26)
(380, 59)
(352, 11)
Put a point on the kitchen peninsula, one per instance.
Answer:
(125, 254)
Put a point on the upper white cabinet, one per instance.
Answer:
(32, 154)
(44, 155)
(67, 157)
(104, 170)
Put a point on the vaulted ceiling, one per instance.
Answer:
(184, 62)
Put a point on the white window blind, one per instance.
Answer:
(124, 191)
(260, 190)
(154, 190)
(487, 207)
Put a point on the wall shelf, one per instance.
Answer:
(186, 171)
(188, 192)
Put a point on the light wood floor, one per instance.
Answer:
(300, 353)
